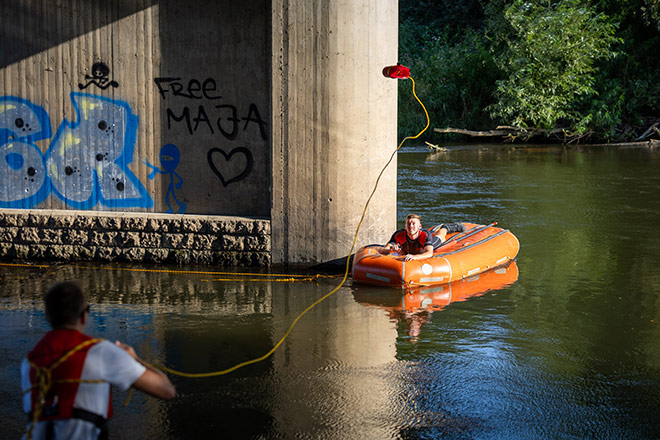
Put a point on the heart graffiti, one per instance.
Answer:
(240, 151)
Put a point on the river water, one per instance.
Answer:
(564, 344)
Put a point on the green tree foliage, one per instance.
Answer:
(629, 84)
(587, 66)
(454, 80)
(550, 61)
(448, 55)
(431, 17)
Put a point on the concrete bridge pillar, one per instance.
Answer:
(333, 126)
(259, 126)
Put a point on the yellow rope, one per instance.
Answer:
(197, 272)
(265, 276)
(23, 265)
(270, 280)
(276, 346)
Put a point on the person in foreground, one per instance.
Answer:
(66, 377)
(414, 243)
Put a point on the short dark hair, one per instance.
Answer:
(65, 303)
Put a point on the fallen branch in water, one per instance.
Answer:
(651, 143)
(649, 131)
(512, 133)
(488, 133)
(434, 147)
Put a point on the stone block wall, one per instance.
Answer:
(38, 235)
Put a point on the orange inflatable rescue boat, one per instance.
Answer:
(436, 297)
(477, 249)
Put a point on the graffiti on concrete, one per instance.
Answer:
(20, 120)
(86, 162)
(210, 116)
(194, 89)
(169, 160)
(88, 159)
(221, 164)
(23, 176)
(99, 77)
(207, 116)
(23, 179)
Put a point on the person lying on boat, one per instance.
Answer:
(414, 243)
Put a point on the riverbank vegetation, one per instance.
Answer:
(564, 70)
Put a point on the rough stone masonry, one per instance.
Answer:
(50, 235)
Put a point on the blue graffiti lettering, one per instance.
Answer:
(87, 161)
(85, 164)
(23, 179)
(23, 176)
(20, 120)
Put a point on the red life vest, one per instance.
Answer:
(65, 377)
(402, 240)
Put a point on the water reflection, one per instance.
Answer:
(414, 305)
(193, 323)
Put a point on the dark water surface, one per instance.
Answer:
(571, 350)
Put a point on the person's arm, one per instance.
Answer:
(386, 249)
(391, 245)
(428, 253)
(153, 381)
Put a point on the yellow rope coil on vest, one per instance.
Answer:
(364, 211)
(45, 380)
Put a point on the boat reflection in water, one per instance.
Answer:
(415, 304)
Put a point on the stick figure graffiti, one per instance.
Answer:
(99, 77)
(169, 160)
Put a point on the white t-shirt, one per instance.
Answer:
(104, 361)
